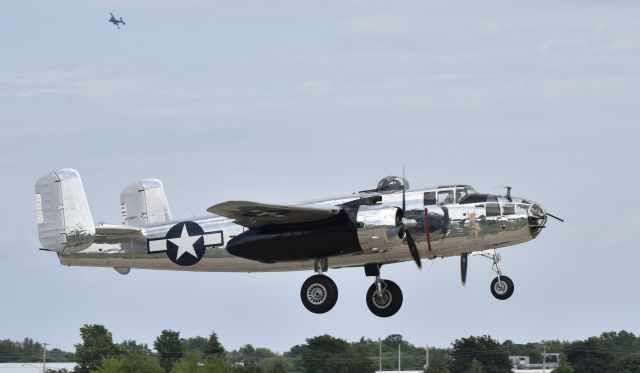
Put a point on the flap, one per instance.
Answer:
(253, 214)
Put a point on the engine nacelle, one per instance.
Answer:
(350, 232)
(378, 226)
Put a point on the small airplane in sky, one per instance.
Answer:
(116, 21)
(369, 229)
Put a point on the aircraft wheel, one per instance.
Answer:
(319, 294)
(502, 289)
(387, 303)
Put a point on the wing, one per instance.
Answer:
(253, 214)
(112, 16)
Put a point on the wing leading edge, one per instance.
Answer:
(254, 214)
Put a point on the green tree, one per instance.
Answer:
(588, 356)
(169, 347)
(130, 346)
(248, 367)
(484, 350)
(97, 344)
(326, 354)
(476, 367)
(189, 364)
(562, 368)
(437, 366)
(195, 343)
(626, 364)
(136, 362)
(619, 342)
(276, 364)
(214, 347)
(9, 351)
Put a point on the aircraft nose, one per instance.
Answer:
(537, 218)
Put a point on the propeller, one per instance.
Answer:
(463, 267)
(405, 225)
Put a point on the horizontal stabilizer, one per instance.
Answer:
(111, 233)
(254, 215)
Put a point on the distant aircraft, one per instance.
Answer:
(369, 229)
(116, 21)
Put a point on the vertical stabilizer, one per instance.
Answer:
(144, 202)
(62, 211)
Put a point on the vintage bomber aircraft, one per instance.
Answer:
(116, 21)
(388, 224)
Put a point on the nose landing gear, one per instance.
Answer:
(501, 286)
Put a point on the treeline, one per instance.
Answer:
(611, 352)
(29, 351)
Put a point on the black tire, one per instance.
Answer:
(319, 294)
(502, 291)
(390, 302)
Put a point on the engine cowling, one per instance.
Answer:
(378, 226)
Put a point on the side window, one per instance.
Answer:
(508, 209)
(445, 197)
(493, 209)
(429, 198)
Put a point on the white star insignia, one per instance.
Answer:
(185, 243)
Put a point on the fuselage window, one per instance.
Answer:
(429, 198)
(493, 209)
(445, 197)
(508, 209)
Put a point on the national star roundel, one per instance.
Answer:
(185, 243)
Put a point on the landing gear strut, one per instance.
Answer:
(501, 286)
(384, 297)
(319, 293)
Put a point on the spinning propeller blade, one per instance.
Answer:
(413, 248)
(463, 267)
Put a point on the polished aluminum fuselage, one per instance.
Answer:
(466, 229)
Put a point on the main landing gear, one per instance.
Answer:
(319, 293)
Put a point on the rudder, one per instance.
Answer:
(62, 210)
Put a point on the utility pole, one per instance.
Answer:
(44, 357)
(544, 360)
(380, 353)
(399, 366)
(426, 365)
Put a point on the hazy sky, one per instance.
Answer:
(281, 101)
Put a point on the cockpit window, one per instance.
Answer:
(522, 208)
(462, 192)
(445, 197)
(508, 209)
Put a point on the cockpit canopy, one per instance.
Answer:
(448, 194)
(390, 183)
